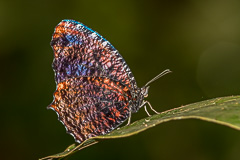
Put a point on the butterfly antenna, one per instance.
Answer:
(158, 76)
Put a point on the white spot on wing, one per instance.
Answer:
(93, 35)
(79, 26)
(104, 43)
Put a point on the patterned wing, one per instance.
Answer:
(80, 51)
(94, 84)
(91, 106)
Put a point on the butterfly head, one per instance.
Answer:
(143, 92)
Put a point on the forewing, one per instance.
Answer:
(80, 51)
(91, 106)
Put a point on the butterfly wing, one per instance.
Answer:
(80, 51)
(91, 106)
(94, 83)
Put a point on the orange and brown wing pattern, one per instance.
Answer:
(91, 106)
(80, 51)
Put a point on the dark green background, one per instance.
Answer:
(197, 39)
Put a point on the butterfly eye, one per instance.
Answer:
(145, 91)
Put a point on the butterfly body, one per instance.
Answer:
(96, 91)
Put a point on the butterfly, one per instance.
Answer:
(96, 90)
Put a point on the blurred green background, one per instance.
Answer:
(198, 40)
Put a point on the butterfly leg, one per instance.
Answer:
(152, 107)
(129, 119)
(145, 107)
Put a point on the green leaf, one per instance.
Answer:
(224, 110)
(71, 149)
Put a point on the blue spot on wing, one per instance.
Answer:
(82, 70)
(70, 38)
(68, 70)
